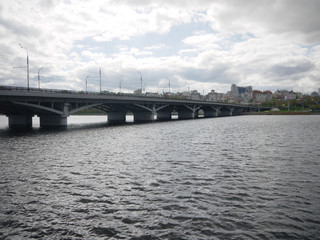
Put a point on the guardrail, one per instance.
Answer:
(24, 89)
(107, 93)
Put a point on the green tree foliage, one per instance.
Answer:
(307, 103)
(91, 111)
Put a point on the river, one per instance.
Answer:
(244, 177)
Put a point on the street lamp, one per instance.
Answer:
(27, 66)
(87, 83)
(39, 76)
(100, 78)
(120, 85)
(141, 80)
(99, 75)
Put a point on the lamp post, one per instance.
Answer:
(87, 83)
(100, 78)
(39, 76)
(99, 75)
(140, 80)
(27, 66)
(120, 86)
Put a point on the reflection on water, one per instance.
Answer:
(74, 119)
(249, 177)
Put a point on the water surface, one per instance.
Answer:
(246, 177)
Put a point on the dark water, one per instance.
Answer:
(248, 177)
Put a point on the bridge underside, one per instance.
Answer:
(55, 114)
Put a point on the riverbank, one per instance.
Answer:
(280, 113)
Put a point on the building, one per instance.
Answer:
(284, 95)
(234, 90)
(138, 91)
(299, 94)
(195, 95)
(267, 95)
(212, 96)
(183, 95)
(241, 92)
(259, 96)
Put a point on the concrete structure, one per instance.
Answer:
(55, 106)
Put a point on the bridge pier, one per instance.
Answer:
(196, 114)
(224, 113)
(210, 113)
(20, 121)
(53, 121)
(56, 120)
(227, 112)
(186, 114)
(116, 117)
(144, 116)
(164, 115)
(231, 111)
(237, 111)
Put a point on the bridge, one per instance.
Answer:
(53, 107)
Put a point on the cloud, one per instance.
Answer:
(292, 69)
(203, 44)
(156, 47)
(289, 18)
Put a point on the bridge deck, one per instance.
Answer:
(54, 106)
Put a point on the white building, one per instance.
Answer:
(284, 94)
(212, 96)
(259, 96)
(195, 95)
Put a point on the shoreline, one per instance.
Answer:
(280, 113)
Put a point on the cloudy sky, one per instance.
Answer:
(195, 44)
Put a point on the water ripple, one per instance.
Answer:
(222, 178)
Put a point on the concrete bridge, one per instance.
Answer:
(53, 107)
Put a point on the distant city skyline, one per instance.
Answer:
(201, 45)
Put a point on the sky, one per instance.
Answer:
(191, 44)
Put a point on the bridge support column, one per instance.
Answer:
(224, 113)
(185, 114)
(53, 121)
(56, 121)
(210, 113)
(227, 113)
(144, 116)
(164, 115)
(231, 111)
(237, 111)
(216, 111)
(20, 121)
(116, 117)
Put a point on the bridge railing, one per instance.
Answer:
(48, 90)
(106, 93)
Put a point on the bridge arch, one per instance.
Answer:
(54, 106)
(84, 107)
